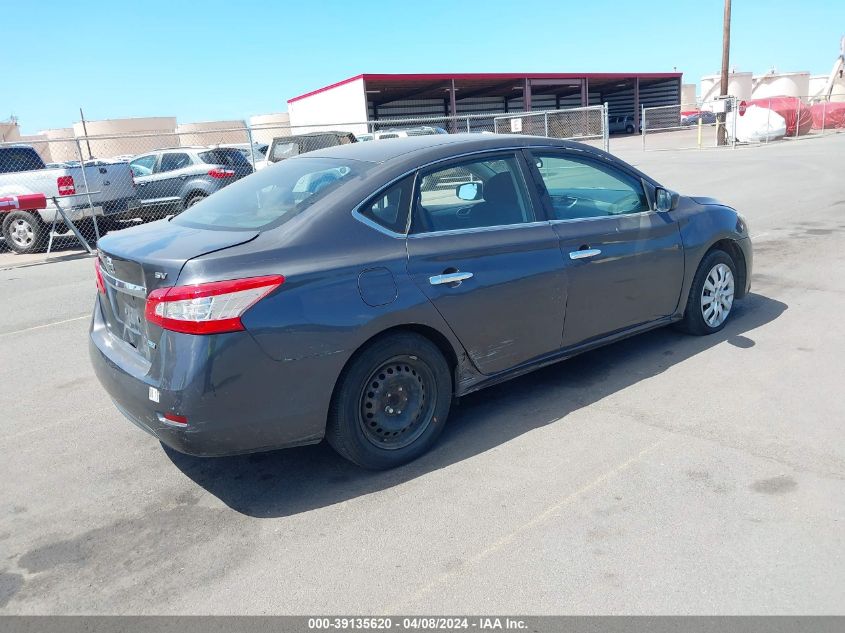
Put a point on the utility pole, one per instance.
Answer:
(88, 141)
(726, 53)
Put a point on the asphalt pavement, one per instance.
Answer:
(665, 474)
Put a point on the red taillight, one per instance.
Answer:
(211, 308)
(101, 284)
(219, 172)
(66, 185)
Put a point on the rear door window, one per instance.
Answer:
(13, 159)
(472, 194)
(390, 207)
(230, 157)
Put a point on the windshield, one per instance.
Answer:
(272, 196)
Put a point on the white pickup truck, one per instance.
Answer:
(22, 171)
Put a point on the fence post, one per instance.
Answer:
(768, 121)
(798, 119)
(605, 130)
(546, 122)
(824, 114)
(700, 121)
(251, 145)
(733, 125)
(468, 128)
(87, 190)
(643, 124)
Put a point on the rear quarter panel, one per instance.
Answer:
(318, 319)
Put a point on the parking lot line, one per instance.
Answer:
(39, 327)
(508, 538)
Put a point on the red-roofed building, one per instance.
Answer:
(374, 97)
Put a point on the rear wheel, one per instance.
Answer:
(711, 297)
(629, 129)
(193, 199)
(24, 232)
(391, 402)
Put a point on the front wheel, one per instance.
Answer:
(391, 402)
(711, 297)
(24, 232)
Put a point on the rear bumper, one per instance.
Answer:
(236, 399)
(81, 209)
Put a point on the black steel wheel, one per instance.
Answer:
(397, 402)
(391, 402)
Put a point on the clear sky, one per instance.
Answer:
(228, 59)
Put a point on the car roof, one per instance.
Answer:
(434, 146)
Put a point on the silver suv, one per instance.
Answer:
(171, 180)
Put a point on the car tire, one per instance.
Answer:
(193, 199)
(24, 232)
(629, 129)
(391, 402)
(711, 298)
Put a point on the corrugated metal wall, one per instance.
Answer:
(620, 101)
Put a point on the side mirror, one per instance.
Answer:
(469, 191)
(665, 200)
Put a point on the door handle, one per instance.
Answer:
(449, 278)
(584, 254)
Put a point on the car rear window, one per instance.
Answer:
(281, 151)
(14, 159)
(229, 157)
(272, 196)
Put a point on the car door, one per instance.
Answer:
(482, 252)
(167, 180)
(142, 172)
(624, 261)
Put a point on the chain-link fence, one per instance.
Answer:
(63, 194)
(578, 124)
(745, 122)
(688, 126)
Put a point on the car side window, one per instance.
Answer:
(390, 207)
(143, 166)
(173, 161)
(473, 194)
(583, 189)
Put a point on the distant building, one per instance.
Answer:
(371, 97)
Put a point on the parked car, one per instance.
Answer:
(171, 180)
(284, 147)
(354, 292)
(692, 118)
(255, 153)
(22, 171)
(422, 130)
(621, 124)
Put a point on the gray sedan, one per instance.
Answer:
(353, 293)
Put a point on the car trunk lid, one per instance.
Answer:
(136, 261)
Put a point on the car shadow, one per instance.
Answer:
(287, 482)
